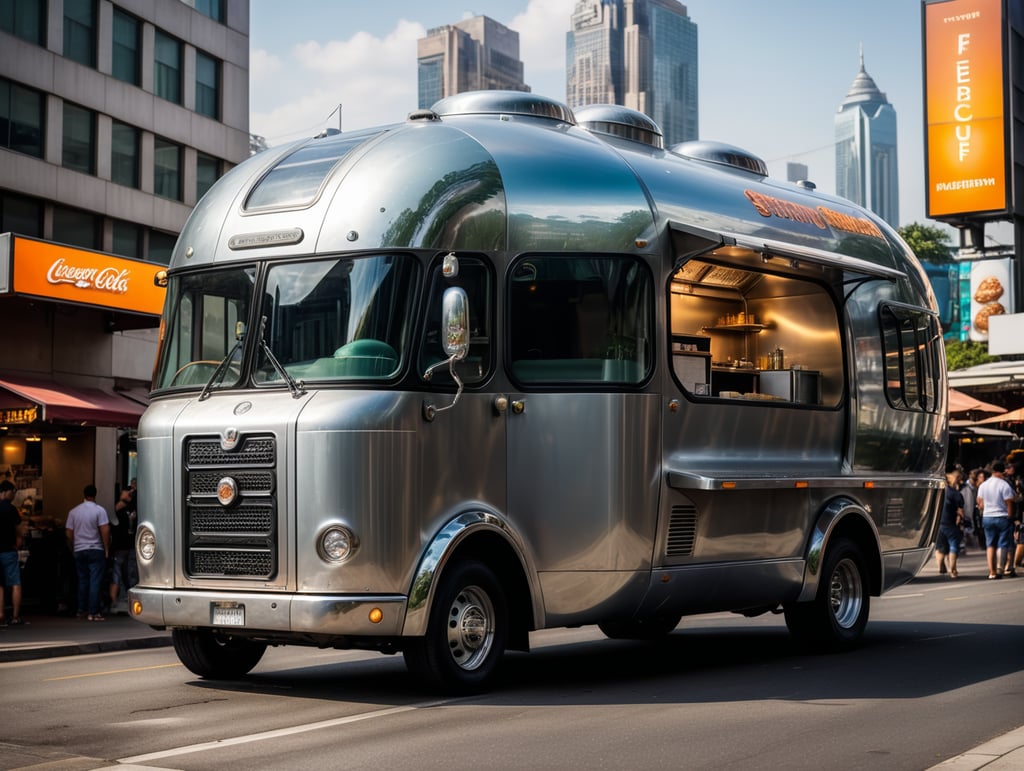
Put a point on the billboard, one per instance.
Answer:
(966, 147)
(991, 293)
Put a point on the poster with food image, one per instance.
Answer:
(991, 294)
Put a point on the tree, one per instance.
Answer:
(961, 354)
(928, 243)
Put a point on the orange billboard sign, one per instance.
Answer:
(964, 105)
(74, 275)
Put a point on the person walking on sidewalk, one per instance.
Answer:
(947, 544)
(88, 534)
(11, 531)
(996, 499)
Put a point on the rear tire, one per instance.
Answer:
(215, 657)
(835, 619)
(467, 632)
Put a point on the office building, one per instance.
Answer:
(475, 54)
(866, 170)
(640, 54)
(115, 117)
(796, 172)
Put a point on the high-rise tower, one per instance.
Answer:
(866, 169)
(473, 55)
(638, 53)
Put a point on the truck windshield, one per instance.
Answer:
(338, 319)
(202, 326)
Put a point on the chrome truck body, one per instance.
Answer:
(503, 367)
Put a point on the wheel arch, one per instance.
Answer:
(842, 517)
(485, 537)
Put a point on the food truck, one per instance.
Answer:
(505, 366)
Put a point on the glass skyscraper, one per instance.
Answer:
(473, 55)
(866, 171)
(640, 54)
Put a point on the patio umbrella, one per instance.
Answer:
(1016, 416)
(962, 405)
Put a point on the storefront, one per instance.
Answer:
(76, 357)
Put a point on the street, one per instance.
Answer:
(941, 671)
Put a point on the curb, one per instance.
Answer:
(31, 652)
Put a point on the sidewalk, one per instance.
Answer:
(46, 637)
(51, 636)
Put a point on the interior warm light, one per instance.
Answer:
(62, 438)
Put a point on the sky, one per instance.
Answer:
(772, 73)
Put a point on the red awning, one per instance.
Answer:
(69, 404)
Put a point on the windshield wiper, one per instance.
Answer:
(297, 387)
(223, 366)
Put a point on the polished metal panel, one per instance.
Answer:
(583, 480)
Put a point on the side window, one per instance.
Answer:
(586, 320)
(910, 343)
(741, 332)
(476, 279)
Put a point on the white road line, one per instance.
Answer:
(218, 744)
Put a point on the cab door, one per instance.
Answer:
(584, 441)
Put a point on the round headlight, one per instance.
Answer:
(145, 543)
(336, 544)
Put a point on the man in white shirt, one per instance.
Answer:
(88, 533)
(995, 499)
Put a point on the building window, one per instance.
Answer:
(207, 172)
(127, 240)
(21, 215)
(167, 169)
(25, 19)
(76, 228)
(124, 155)
(79, 143)
(21, 119)
(160, 246)
(212, 8)
(207, 86)
(80, 31)
(167, 68)
(126, 47)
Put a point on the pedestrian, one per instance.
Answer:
(969, 490)
(947, 544)
(996, 499)
(88, 535)
(11, 532)
(124, 573)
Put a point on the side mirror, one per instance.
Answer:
(455, 326)
(455, 321)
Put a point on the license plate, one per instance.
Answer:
(228, 615)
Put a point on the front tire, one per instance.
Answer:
(215, 657)
(835, 619)
(467, 632)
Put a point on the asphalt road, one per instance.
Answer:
(941, 671)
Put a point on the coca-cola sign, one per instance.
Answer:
(107, 279)
(68, 274)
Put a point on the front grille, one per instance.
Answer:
(234, 563)
(239, 540)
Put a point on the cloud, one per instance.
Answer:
(372, 78)
(542, 27)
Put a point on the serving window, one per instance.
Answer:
(755, 328)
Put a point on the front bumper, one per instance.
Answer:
(299, 614)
